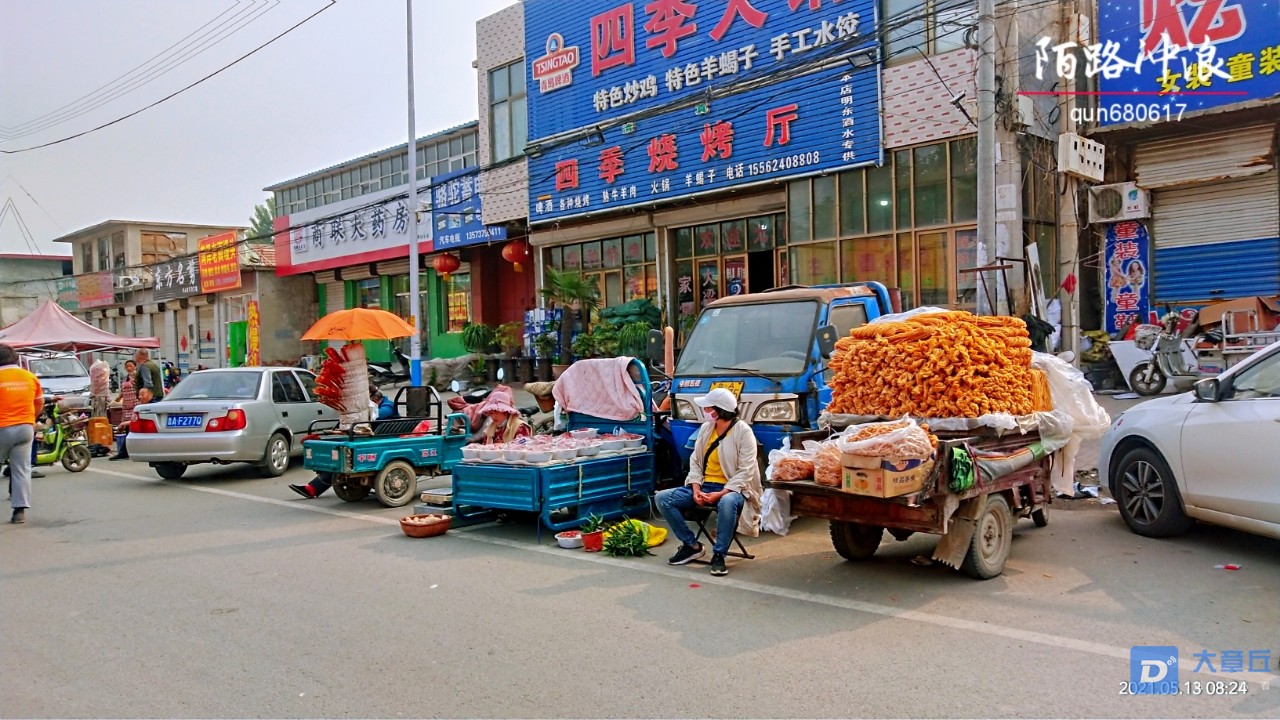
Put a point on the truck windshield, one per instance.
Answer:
(769, 338)
(56, 367)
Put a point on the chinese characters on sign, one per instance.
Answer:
(219, 262)
(646, 55)
(1127, 277)
(177, 279)
(253, 336)
(68, 295)
(1196, 54)
(455, 211)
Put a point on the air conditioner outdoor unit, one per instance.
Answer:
(1122, 201)
(125, 282)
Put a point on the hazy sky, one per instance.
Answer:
(329, 91)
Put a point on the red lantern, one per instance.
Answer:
(516, 252)
(445, 264)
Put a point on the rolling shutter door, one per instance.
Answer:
(1208, 157)
(1238, 209)
(335, 296)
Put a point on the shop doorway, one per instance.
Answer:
(760, 271)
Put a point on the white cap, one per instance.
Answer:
(720, 398)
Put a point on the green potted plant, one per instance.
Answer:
(511, 340)
(593, 533)
(477, 368)
(633, 338)
(584, 346)
(548, 354)
(478, 338)
(577, 296)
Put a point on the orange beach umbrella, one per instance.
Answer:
(359, 324)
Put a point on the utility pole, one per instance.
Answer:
(415, 292)
(987, 152)
(1069, 240)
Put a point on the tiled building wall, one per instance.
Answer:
(500, 41)
(916, 104)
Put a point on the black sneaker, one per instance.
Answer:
(687, 554)
(19, 515)
(717, 565)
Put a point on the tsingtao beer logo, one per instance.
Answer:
(555, 69)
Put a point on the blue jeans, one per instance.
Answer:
(675, 502)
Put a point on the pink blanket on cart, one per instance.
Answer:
(602, 388)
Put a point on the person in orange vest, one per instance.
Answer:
(21, 400)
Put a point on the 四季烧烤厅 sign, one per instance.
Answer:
(765, 90)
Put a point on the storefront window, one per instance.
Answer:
(868, 259)
(907, 270)
(964, 180)
(935, 270)
(369, 293)
(853, 219)
(686, 290)
(573, 257)
(684, 243)
(902, 186)
(824, 207)
(930, 166)
(799, 211)
(621, 266)
(633, 249)
(760, 233)
(634, 278)
(880, 199)
(708, 281)
(557, 258)
(813, 264)
(706, 240)
(733, 236)
(457, 301)
(592, 256)
(612, 249)
(966, 282)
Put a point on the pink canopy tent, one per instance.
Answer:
(51, 328)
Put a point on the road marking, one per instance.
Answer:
(1012, 633)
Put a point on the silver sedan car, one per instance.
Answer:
(252, 415)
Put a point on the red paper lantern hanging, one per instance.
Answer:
(516, 252)
(445, 264)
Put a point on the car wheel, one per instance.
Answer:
(397, 484)
(76, 458)
(276, 459)
(1148, 496)
(989, 548)
(855, 541)
(1144, 386)
(170, 471)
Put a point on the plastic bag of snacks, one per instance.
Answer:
(787, 465)
(897, 439)
(826, 462)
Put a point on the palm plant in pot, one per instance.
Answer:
(577, 297)
(511, 341)
(479, 339)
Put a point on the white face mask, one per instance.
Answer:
(711, 414)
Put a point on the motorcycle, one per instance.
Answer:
(65, 439)
(390, 374)
(1167, 360)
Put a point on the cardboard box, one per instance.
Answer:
(1266, 309)
(890, 479)
(865, 462)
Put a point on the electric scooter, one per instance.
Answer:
(1167, 361)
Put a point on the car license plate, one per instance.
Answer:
(734, 387)
(184, 421)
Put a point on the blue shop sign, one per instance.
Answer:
(455, 211)
(1158, 59)
(764, 90)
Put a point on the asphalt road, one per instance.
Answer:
(225, 595)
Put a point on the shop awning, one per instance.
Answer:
(54, 329)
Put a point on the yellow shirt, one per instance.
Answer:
(713, 473)
(19, 391)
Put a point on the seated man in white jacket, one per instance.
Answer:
(724, 474)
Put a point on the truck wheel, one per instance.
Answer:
(991, 540)
(170, 470)
(351, 490)
(276, 459)
(76, 458)
(855, 541)
(1154, 386)
(397, 484)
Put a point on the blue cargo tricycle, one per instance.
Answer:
(387, 456)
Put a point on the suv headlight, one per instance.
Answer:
(777, 411)
(684, 410)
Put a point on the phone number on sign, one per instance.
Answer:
(1129, 112)
(790, 162)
